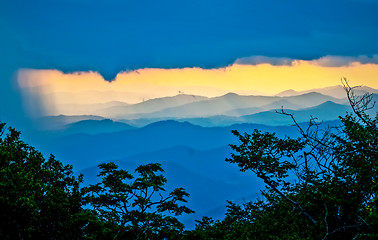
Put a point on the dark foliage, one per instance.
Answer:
(135, 208)
(39, 198)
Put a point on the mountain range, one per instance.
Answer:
(189, 106)
(190, 137)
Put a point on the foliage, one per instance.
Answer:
(39, 198)
(130, 207)
(321, 186)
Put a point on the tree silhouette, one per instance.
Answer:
(135, 208)
(39, 198)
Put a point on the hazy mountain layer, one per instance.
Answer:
(148, 106)
(231, 102)
(335, 91)
(324, 112)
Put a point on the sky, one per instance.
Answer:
(110, 38)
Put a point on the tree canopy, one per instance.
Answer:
(39, 198)
(42, 199)
(130, 207)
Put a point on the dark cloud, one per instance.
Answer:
(113, 36)
(117, 35)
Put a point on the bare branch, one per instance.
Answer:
(343, 228)
(325, 221)
(359, 104)
(296, 204)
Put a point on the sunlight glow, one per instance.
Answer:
(59, 91)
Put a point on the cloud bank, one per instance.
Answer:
(341, 61)
(326, 61)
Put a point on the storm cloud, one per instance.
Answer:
(113, 36)
(109, 37)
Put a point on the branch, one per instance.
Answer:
(303, 133)
(296, 204)
(318, 143)
(359, 104)
(343, 228)
(325, 220)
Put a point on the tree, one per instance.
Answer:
(39, 198)
(135, 208)
(322, 185)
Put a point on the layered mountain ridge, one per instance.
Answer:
(190, 137)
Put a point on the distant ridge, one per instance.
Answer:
(59, 122)
(334, 91)
(96, 126)
(230, 102)
(326, 111)
(148, 106)
(89, 109)
(288, 93)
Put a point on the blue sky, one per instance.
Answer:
(109, 36)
